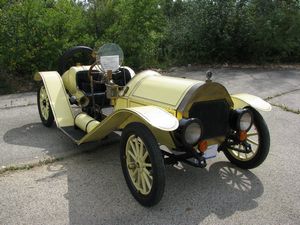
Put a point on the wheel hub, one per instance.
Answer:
(132, 166)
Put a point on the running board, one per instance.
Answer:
(72, 132)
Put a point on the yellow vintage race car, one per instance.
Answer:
(164, 120)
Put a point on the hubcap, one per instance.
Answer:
(139, 165)
(253, 140)
(44, 103)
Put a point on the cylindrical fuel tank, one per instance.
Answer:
(85, 122)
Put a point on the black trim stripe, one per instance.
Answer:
(86, 126)
(188, 96)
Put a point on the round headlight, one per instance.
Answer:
(192, 133)
(189, 131)
(245, 121)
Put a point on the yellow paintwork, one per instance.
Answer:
(207, 92)
(157, 117)
(167, 90)
(136, 103)
(85, 122)
(150, 88)
(120, 118)
(69, 80)
(148, 115)
(138, 78)
(121, 103)
(242, 100)
(162, 137)
(58, 98)
(179, 115)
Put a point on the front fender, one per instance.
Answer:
(243, 100)
(156, 117)
(158, 120)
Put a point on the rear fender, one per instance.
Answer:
(243, 100)
(58, 97)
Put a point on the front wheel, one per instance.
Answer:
(259, 139)
(142, 164)
(43, 103)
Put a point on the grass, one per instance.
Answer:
(13, 168)
(282, 106)
(282, 93)
(287, 109)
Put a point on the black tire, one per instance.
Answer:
(44, 103)
(263, 144)
(156, 160)
(65, 61)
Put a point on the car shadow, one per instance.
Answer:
(53, 142)
(190, 196)
(97, 192)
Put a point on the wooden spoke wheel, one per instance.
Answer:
(43, 103)
(259, 139)
(142, 164)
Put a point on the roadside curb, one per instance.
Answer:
(17, 100)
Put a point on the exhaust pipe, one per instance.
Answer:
(84, 101)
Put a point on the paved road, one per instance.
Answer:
(89, 188)
(25, 140)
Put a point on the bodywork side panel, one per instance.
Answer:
(242, 100)
(58, 98)
(155, 118)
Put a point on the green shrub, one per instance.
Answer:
(34, 33)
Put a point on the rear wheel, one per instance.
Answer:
(142, 164)
(259, 139)
(43, 103)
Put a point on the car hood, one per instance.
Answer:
(151, 88)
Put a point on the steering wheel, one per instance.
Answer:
(82, 53)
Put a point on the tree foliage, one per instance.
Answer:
(138, 28)
(34, 33)
(234, 31)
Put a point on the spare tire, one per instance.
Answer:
(69, 58)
